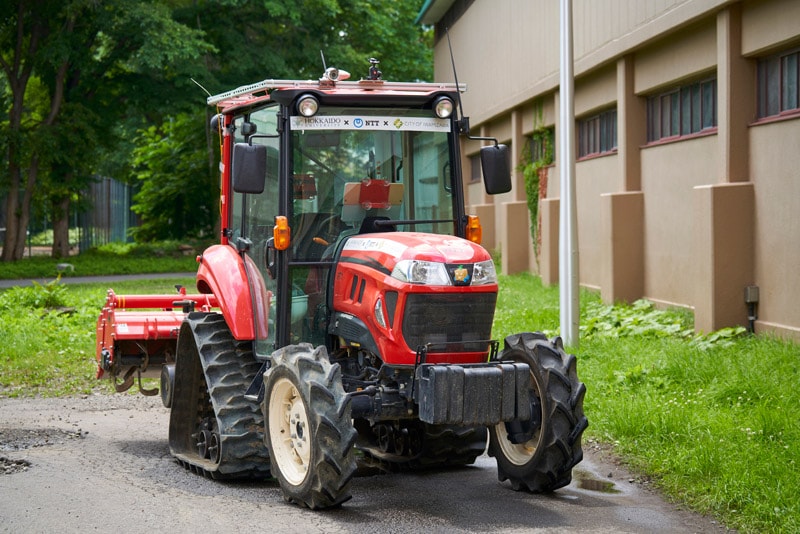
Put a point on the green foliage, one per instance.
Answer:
(45, 238)
(536, 156)
(643, 319)
(178, 195)
(75, 71)
(262, 39)
(709, 418)
(111, 83)
(36, 296)
(639, 319)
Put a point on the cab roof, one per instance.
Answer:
(377, 91)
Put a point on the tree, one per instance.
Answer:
(85, 53)
(22, 35)
(80, 78)
(258, 39)
(254, 40)
(178, 194)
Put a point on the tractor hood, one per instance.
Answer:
(408, 256)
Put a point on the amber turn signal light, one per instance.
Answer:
(474, 229)
(281, 234)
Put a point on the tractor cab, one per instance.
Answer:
(313, 164)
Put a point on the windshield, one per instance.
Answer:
(352, 167)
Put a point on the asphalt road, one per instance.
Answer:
(102, 463)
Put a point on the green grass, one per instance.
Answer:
(711, 419)
(49, 351)
(114, 258)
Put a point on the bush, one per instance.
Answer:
(36, 296)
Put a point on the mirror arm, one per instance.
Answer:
(463, 128)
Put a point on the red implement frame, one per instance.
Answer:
(129, 341)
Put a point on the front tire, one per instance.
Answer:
(309, 432)
(538, 455)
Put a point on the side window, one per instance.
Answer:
(597, 134)
(430, 197)
(252, 216)
(683, 111)
(779, 84)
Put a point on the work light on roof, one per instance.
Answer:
(307, 106)
(443, 107)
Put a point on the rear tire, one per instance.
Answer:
(543, 462)
(213, 429)
(309, 432)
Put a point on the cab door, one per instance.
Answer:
(252, 220)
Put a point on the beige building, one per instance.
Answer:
(688, 151)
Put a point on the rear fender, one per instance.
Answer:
(223, 272)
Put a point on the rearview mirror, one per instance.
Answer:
(249, 168)
(496, 166)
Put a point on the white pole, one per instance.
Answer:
(568, 226)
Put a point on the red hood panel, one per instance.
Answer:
(390, 247)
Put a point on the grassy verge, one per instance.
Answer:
(710, 419)
(49, 350)
(114, 258)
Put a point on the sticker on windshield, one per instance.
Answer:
(355, 122)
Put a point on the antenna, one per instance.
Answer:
(463, 122)
(200, 86)
(324, 66)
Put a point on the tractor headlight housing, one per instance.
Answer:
(429, 273)
(484, 273)
(307, 106)
(443, 107)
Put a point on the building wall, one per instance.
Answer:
(775, 170)
(689, 223)
(669, 221)
(593, 177)
(773, 166)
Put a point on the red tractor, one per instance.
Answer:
(346, 315)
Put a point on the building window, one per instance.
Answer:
(597, 134)
(475, 168)
(686, 110)
(778, 84)
(541, 146)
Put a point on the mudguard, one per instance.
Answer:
(223, 272)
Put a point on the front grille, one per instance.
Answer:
(455, 318)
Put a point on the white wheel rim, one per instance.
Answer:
(516, 453)
(289, 431)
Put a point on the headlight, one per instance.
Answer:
(421, 272)
(307, 106)
(484, 273)
(443, 107)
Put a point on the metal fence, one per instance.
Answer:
(110, 217)
(105, 216)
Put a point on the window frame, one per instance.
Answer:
(597, 134)
(475, 171)
(683, 111)
(773, 70)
